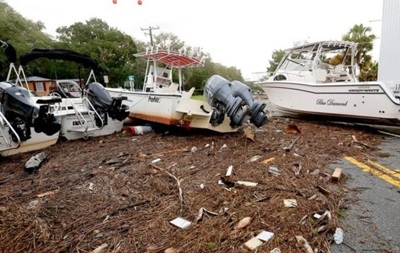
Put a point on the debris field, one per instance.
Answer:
(173, 190)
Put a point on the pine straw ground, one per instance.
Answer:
(103, 194)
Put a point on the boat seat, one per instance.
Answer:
(320, 75)
(342, 74)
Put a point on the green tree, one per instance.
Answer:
(110, 47)
(23, 34)
(361, 35)
(277, 56)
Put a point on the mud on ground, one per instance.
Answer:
(109, 194)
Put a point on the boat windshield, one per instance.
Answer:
(323, 56)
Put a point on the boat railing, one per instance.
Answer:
(84, 105)
(3, 134)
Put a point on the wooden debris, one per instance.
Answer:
(243, 223)
(303, 242)
(247, 183)
(266, 161)
(249, 134)
(253, 243)
(204, 211)
(293, 129)
(323, 190)
(336, 174)
(176, 179)
(168, 152)
(47, 193)
(287, 149)
(100, 248)
(359, 142)
(171, 250)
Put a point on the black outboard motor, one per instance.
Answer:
(218, 93)
(23, 114)
(258, 117)
(104, 103)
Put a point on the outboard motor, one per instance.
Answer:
(218, 93)
(104, 103)
(23, 114)
(258, 117)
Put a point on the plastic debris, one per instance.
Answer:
(317, 216)
(33, 204)
(193, 149)
(338, 236)
(138, 130)
(229, 171)
(276, 250)
(181, 223)
(274, 171)
(253, 243)
(223, 146)
(34, 162)
(265, 236)
(254, 158)
(156, 160)
(296, 168)
(290, 202)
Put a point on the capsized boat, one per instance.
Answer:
(318, 80)
(24, 125)
(84, 113)
(228, 104)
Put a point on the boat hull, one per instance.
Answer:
(36, 142)
(370, 102)
(170, 109)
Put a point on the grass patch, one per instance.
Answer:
(199, 97)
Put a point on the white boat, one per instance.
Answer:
(24, 125)
(319, 80)
(86, 112)
(162, 100)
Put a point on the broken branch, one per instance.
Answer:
(291, 145)
(176, 179)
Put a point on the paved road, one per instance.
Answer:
(372, 223)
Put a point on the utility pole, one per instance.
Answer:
(150, 33)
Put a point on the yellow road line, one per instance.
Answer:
(366, 168)
(384, 169)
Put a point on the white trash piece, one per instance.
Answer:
(338, 236)
(181, 223)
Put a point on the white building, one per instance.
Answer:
(389, 57)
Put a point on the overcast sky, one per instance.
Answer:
(236, 33)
